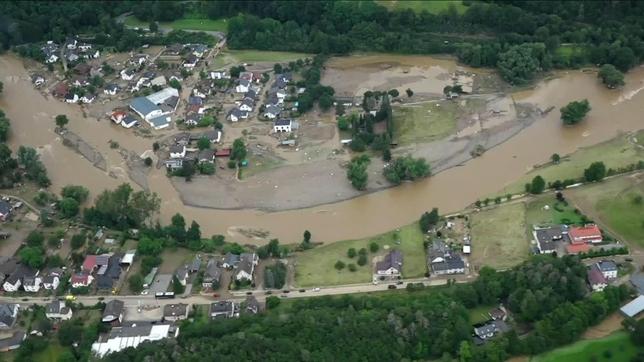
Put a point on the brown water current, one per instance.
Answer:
(613, 111)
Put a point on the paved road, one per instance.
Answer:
(134, 300)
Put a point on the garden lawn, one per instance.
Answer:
(480, 313)
(315, 267)
(424, 122)
(615, 153)
(616, 347)
(557, 213)
(499, 237)
(183, 24)
(433, 6)
(614, 202)
(51, 353)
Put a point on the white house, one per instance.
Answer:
(31, 284)
(247, 105)
(127, 74)
(246, 266)
(391, 265)
(111, 89)
(177, 151)
(608, 268)
(129, 122)
(58, 310)
(52, 58)
(51, 282)
(71, 98)
(219, 75)
(88, 98)
(236, 114)
(271, 112)
(282, 125)
(11, 285)
(596, 279)
(243, 86)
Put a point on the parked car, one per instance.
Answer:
(216, 295)
(400, 282)
(285, 291)
(249, 293)
(269, 292)
(391, 286)
(302, 290)
(316, 289)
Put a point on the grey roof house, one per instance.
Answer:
(212, 275)
(175, 312)
(222, 309)
(113, 311)
(8, 315)
(391, 264)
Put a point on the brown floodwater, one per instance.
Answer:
(613, 111)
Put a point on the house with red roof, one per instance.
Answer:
(596, 279)
(585, 234)
(577, 248)
(89, 264)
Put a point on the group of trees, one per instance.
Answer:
(357, 172)
(369, 130)
(428, 220)
(27, 163)
(72, 198)
(122, 208)
(546, 295)
(406, 168)
(574, 112)
(314, 91)
(275, 276)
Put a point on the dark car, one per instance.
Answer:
(302, 290)
(249, 293)
(285, 291)
(269, 293)
(391, 286)
(400, 282)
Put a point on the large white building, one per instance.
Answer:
(131, 335)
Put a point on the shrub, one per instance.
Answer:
(352, 267)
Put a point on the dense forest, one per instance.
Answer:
(545, 295)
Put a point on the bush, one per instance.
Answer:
(373, 247)
(339, 265)
(136, 283)
(232, 164)
(272, 302)
(148, 161)
(574, 112)
(362, 259)
(352, 267)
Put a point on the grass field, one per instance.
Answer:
(433, 6)
(616, 347)
(567, 51)
(183, 24)
(315, 267)
(499, 237)
(615, 153)
(615, 203)
(231, 57)
(424, 122)
(557, 212)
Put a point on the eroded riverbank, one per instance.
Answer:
(32, 123)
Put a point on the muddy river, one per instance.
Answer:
(613, 111)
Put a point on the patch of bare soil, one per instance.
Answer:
(608, 326)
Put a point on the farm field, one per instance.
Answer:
(183, 24)
(618, 152)
(315, 267)
(499, 237)
(434, 6)
(232, 57)
(616, 202)
(616, 347)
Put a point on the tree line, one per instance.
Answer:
(520, 38)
